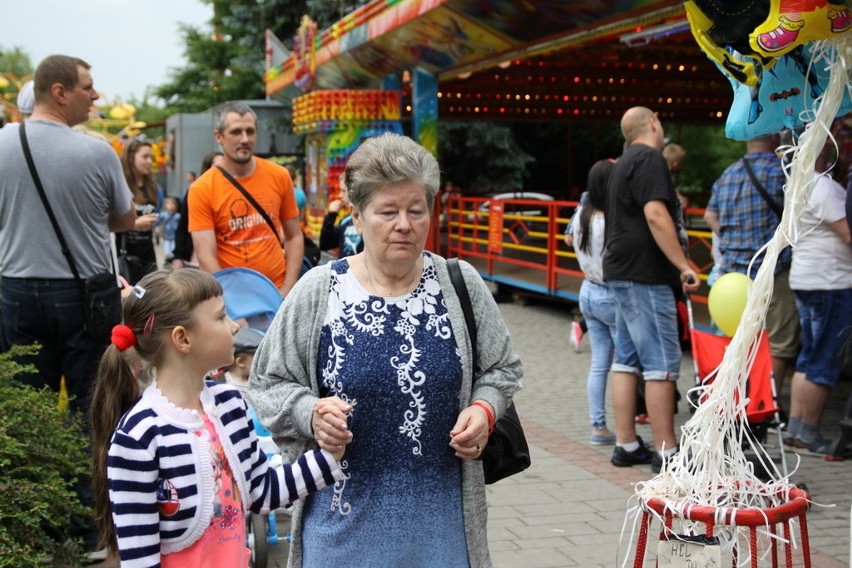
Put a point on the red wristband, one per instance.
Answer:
(488, 413)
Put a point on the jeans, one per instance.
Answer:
(50, 312)
(825, 316)
(646, 341)
(598, 307)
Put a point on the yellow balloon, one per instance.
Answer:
(727, 301)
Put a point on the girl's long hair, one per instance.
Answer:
(596, 186)
(148, 194)
(162, 300)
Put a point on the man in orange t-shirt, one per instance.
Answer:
(227, 230)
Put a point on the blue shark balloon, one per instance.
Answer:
(784, 94)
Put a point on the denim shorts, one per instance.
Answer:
(646, 339)
(825, 316)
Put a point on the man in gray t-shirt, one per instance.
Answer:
(85, 186)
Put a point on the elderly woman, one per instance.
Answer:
(372, 350)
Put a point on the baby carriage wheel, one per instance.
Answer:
(257, 540)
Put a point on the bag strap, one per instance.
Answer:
(466, 305)
(66, 252)
(762, 190)
(252, 200)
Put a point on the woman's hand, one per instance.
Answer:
(470, 434)
(126, 288)
(329, 423)
(144, 222)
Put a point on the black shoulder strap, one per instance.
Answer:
(252, 200)
(762, 190)
(66, 252)
(464, 298)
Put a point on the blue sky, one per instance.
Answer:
(130, 44)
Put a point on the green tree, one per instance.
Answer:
(500, 163)
(226, 61)
(15, 63)
(708, 153)
(15, 70)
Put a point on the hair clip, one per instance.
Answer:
(139, 291)
(149, 325)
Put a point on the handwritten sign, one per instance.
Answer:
(495, 226)
(682, 551)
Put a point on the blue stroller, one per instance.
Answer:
(250, 296)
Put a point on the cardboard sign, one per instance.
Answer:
(495, 226)
(682, 551)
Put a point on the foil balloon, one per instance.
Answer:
(783, 95)
(744, 36)
(792, 23)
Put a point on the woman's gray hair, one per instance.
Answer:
(389, 159)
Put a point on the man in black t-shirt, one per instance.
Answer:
(644, 265)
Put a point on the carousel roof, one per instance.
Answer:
(537, 60)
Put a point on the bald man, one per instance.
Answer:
(645, 267)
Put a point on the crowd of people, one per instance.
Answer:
(176, 461)
(369, 356)
(625, 233)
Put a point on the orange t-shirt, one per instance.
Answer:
(243, 237)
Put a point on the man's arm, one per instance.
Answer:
(712, 220)
(123, 222)
(665, 235)
(841, 228)
(204, 243)
(294, 252)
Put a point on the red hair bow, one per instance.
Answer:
(123, 337)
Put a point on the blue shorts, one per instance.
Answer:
(825, 317)
(646, 338)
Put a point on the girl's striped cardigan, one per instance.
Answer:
(157, 441)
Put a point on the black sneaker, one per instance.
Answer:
(639, 456)
(657, 461)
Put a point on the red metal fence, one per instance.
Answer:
(522, 247)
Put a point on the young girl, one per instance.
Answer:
(176, 469)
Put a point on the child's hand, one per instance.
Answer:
(334, 206)
(329, 423)
(338, 455)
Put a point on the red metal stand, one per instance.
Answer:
(769, 518)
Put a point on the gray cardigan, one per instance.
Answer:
(284, 386)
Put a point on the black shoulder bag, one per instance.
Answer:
(506, 452)
(252, 200)
(101, 294)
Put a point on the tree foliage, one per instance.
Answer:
(708, 153)
(482, 157)
(226, 61)
(15, 63)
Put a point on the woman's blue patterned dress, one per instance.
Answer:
(395, 360)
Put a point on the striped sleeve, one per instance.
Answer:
(311, 472)
(132, 472)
